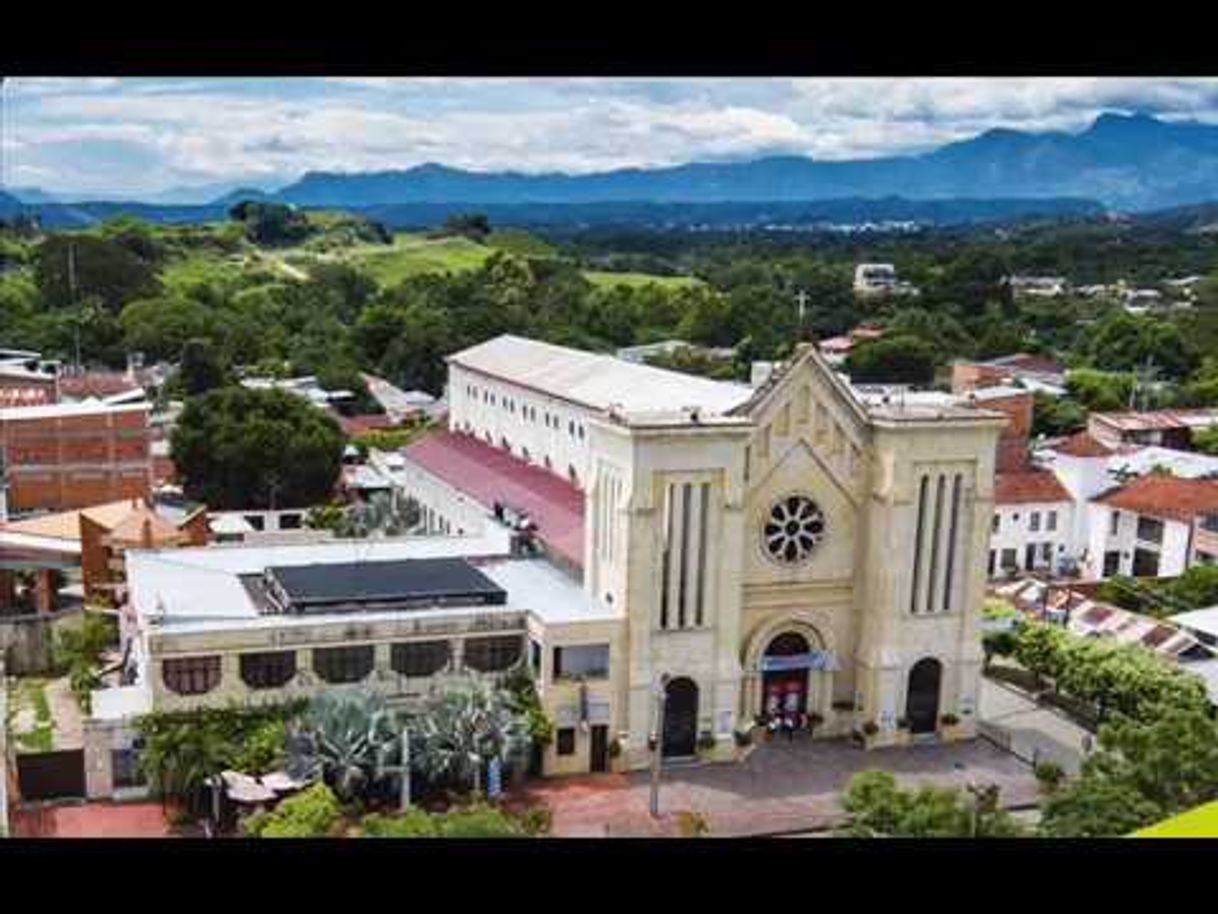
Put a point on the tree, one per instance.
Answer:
(160, 327)
(474, 226)
(271, 224)
(1054, 416)
(235, 448)
(462, 729)
(1145, 771)
(199, 368)
(349, 739)
(881, 809)
(71, 268)
(1206, 440)
(892, 360)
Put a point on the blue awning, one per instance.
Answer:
(813, 660)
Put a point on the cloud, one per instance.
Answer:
(141, 135)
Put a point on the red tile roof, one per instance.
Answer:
(1028, 486)
(488, 474)
(354, 426)
(1168, 497)
(1082, 444)
(98, 384)
(24, 396)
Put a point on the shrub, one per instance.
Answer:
(949, 720)
(479, 820)
(870, 728)
(414, 823)
(706, 741)
(312, 813)
(692, 824)
(537, 820)
(1049, 774)
(743, 738)
(615, 748)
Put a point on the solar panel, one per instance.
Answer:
(402, 583)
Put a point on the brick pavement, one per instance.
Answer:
(779, 787)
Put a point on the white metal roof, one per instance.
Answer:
(83, 408)
(597, 381)
(1185, 464)
(1199, 620)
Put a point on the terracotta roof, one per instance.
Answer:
(1082, 444)
(95, 384)
(488, 474)
(141, 521)
(1159, 419)
(1028, 486)
(354, 426)
(24, 396)
(1026, 362)
(1168, 497)
(124, 519)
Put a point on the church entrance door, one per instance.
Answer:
(922, 696)
(681, 717)
(785, 691)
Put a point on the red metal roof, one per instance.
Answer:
(24, 396)
(488, 474)
(1082, 444)
(1028, 486)
(1167, 497)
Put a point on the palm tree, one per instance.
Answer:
(347, 737)
(462, 729)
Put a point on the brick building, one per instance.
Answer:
(70, 455)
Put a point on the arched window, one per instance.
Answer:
(492, 655)
(268, 670)
(191, 675)
(922, 695)
(419, 658)
(343, 664)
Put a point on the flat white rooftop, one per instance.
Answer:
(195, 590)
(597, 381)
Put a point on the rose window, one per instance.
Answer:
(793, 529)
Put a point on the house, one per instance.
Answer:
(876, 279)
(1030, 528)
(71, 455)
(1172, 428)
(1034, 373)
(836, 349)
(1154, 526)
(1038, 286)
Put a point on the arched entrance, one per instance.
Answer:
(784, 687)
(922, 696)
(680, 716)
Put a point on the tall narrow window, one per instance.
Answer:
(666, 558)
(686, 501)
(703, 523)
(917, 557)
(935, 527)
(951, 544)
(748, 459)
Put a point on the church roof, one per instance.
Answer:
(597, 381)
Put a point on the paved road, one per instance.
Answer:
(1033, 731)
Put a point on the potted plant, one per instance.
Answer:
(949, 727)
(901, 738)
(706, 742)
(867, 733)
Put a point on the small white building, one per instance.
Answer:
(1155, 526)
(1032, 523)
(872, 279)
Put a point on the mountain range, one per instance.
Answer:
(1127, 162)
(1131, 163)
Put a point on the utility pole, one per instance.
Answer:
(405, 798)
(659, 692)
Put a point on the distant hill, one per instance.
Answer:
(32, 195)
(655, 216)
(1133, 162)
(8, 204)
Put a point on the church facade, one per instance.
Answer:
(793, 548)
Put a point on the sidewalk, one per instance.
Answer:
(1030, 730)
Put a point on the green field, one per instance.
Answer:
(641, 279)
(415, 254)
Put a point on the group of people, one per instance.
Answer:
(787, 723)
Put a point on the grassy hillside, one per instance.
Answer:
(641, 279)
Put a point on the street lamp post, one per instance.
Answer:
(659, 692)
(405, 799)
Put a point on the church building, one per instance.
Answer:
(790, 548)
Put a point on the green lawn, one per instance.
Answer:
(641, 279)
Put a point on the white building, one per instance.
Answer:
(1032, 524)
(1154, 526)
(873, 279)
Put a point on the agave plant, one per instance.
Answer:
(381, 515)
(462, 729)
(347, 737)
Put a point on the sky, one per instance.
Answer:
(137, 137)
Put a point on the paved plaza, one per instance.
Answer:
(781, 787)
